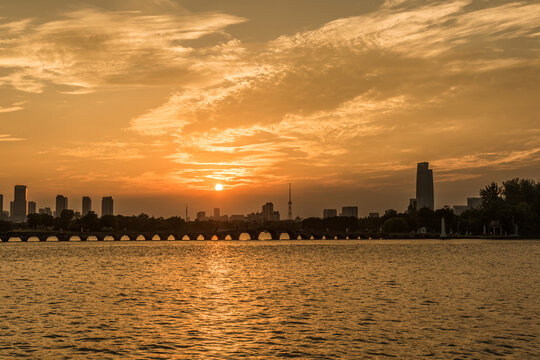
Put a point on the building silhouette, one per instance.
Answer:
(268, 213)
(86, 205)
(328, 213)
(45, 211)
(217, 213)
(201, 216)
(61, 205)
(424, 186)
(107, 206)
(32, 206)
(349, 211)
(20, 199)
(1, 204)
(374, 215)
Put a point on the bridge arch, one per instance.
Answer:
(108, 238)
(228, 237)
(185, 238)
(156, 237)
(311, 237)
(140, 238)
(33, 239)
(244, 236)
(91, 238)
(264, 235)
(200, 237)
(283, 236)
(171, 238)
(74, 238)
(124, 238)
(214, 238)
(14, 239)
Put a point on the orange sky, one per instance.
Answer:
(154, 102)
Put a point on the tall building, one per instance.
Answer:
(11, 211)
(1, 204)
(289, 215)
(19, 203)
(349, 211)
(217, 213)
(86, 205)
(267, 211)
(424, 187)
(107, 206)
(32, 207)
(328, 213)
(61, 204)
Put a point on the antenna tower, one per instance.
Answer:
(290, 203)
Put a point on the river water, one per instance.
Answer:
(257, 299)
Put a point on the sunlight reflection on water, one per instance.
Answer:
(306, 299)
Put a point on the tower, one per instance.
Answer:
(107, 206)
(61, 204)
(424, 186)
(19, 203)
(86, 205)
(290, 204)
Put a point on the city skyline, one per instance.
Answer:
(424, 192)
(339, 98)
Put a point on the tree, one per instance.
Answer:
(395, 225)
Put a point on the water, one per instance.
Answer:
(305, 299)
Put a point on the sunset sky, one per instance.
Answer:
(155, 102)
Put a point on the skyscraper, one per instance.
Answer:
(107, 206)
(86, 205)
(61, 205)
(32, 207)
(19, 203)
(217, 213)
(424, 187)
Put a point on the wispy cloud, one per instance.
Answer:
(13, 107)
(10, 138)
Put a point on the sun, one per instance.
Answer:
(219, 187)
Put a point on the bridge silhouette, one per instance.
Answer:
(251, 234)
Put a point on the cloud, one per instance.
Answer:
(89, 48)
(10, 138)
(14, 107)
(345, 99)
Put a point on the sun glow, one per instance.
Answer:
(219, 187)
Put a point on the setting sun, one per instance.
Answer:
(219, 187)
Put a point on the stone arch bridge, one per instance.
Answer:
(251, 234)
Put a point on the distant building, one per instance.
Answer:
(424, 187)
(255, 217)
(390, 212)
(349, 211)
(328, 213)
(1, 204)
(86, 205)
(11, 211)
(412, 205)
(19, 203)
(61, 205)
(32, 207)
(45, 211)
(267, 211)
(460, 209)
(217, 213)
(107, 206)
(237, 218)
(201, 216)
(4, 215)
(374, 215)
(474, 202)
